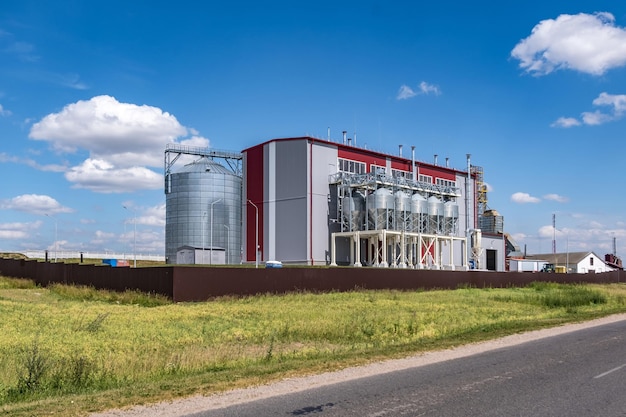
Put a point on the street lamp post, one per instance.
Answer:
(203, 227)
(211, 253)
(134, 236)
(227, 244)
(56, 236)
(256, 248)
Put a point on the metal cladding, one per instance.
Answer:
(203, 205)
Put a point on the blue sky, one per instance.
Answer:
(91, 92)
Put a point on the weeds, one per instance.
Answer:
(34, 365)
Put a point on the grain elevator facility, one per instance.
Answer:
(312, 201)
(203, 206)
(319, 202)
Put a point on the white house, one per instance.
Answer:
(575, 262)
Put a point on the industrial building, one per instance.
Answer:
(314, 201)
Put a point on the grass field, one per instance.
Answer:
(71, 351)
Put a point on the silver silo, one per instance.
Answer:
(380, 209)
(353, 211)
(419, 213)
(435, 215)
(203, 207)
(450, 217)
(402, 211)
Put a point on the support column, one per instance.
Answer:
(333, 254)
(357, 242)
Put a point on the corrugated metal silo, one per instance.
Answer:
(353, 207)
(203, 206)
(419, 213)
(380, 209)
(435, 215)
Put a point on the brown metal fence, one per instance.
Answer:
(192, 283)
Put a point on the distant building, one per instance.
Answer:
(575, 262)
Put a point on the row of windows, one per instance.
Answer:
(352, 167)
(446, 183)
(355, 167)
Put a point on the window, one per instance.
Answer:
(377, 169)
(591, 261)
(396, 173)
(352, 167)
(446, 183)
(426, 178)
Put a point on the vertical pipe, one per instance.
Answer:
(344, 136)
(467, 207)
(413, 163)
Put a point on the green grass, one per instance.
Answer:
(97, 349)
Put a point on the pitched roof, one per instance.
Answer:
(562, 258)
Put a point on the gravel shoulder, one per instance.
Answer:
(200, 403)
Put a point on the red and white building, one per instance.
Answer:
(318, 202)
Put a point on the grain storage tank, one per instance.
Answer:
(435, 215)
(450, 217)
(353, 211)
(402, 211)
(203, 207)
(419, 213)
(380, 209)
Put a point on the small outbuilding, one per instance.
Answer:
(575, 262)
(189, 255)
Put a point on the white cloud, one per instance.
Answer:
(103, 177)
(153, 216)
(424, 88)
(556, 197)
(18, 230)
(122, 140)
(589, 43)
(616, 104)
(523, 198)
(35, 204)
(566, 122)
(405, 92)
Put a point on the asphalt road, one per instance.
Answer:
(582, 373)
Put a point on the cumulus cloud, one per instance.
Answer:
(556, 197)
(35, 204)
(405, 92)
(523, 198)
(615, 105)
(124, 142)
(18, 230)
(589, 43)
(101, 176)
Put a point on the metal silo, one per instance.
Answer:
(203, 210)
(419, 213)
(402, 211)
(435, 215)
(450, 217)
(353, 211)
(380, 209)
